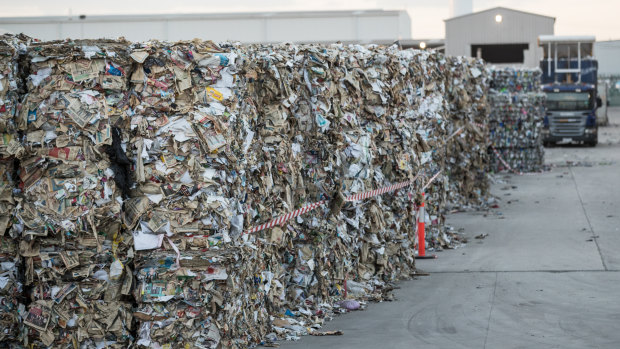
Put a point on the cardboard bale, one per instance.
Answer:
(73, 172)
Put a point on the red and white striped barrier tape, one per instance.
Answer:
(283, 219)
(454, 134)
(355, 197)
(461, 129)
(430, 181)
(380, 191)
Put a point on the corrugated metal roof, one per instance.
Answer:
(495, 9)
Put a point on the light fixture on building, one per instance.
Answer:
(498, 18)
(422, 45)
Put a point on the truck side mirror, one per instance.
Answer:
(599, 102)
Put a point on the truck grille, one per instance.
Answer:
(567, 125)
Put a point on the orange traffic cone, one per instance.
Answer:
(421, 235)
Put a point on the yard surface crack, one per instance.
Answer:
(490, 312)
(585, 213)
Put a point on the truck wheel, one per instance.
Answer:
(593, 142)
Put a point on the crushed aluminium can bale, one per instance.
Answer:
(71, 173)
(514, 80)
(525, 159)
(516, 119)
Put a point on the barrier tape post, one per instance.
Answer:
(421, 234)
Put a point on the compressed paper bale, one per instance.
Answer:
(76, 263)
(188, 178)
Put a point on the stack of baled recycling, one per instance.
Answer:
(143, 166)
(353, 119)
(516, 118)
(73, 171)
(465, 156)
(258, 132)
(11, 286)
(347, 119)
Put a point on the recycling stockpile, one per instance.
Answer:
(76, 254)
(350, 119)
(255, 133)
(515, 121)
(11, 283)
(466, 158)
(147, 175)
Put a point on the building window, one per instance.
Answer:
(500, 53)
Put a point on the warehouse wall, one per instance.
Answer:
(327, 26)
(608, 55)
(481, 28)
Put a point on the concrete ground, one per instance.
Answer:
(546, 276)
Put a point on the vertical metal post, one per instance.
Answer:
(579, 61)
(549, 59)
(555, 46)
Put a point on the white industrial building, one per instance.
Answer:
(608, 55)
(499, 35)
(364, 26)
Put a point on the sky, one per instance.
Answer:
(573, 17)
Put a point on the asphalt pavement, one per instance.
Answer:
(546, 276)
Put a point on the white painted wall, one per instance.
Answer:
(327, 26)
(481, 28)
(608, 55)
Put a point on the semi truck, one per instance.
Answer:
(569, 79)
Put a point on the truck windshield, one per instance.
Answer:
(569, 101)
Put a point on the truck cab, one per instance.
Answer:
(569, 81)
